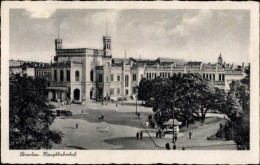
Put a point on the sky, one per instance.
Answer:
(192, 35)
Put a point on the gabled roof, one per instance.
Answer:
(194, 63)
(171, 60)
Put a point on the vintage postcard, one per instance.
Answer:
(130, 82)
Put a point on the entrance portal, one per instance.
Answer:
(76, 94)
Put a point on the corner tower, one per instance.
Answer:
(220, 59)
(58, 44)
(107, 44)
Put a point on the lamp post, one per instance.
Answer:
(173, 104)
(136, 106)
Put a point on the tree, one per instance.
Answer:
(29, 115)
(238, 111)
(144, 89)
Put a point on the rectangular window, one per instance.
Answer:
(61, 75)
(223, 77)
(55, 75)
(100, 77)
(68, 75)
(91, 76)
(214, 77)
(111, 77)
(111, 91)
(118, 90)
(219, 77)
(118, 78)
(134, 77)
(147, 75)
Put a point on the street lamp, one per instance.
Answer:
(173, 104)
(136, 102)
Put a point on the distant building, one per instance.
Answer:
(86, 73)
(13, 63)
(22, 70)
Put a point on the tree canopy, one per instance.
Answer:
(189, 94)
(30, 115)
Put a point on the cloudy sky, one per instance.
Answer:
(199, 35)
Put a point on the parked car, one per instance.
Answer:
(77, 102)
(63, 112)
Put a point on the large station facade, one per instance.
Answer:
(85, 73)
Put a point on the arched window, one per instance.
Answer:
(68, 75)
(126, 81)
(77, 75)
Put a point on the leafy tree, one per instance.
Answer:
(29, 115)
(145, 89)
(238, 111)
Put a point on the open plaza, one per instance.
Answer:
(123, 124)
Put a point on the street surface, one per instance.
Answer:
(123, 125)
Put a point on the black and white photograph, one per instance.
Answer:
(93, 78)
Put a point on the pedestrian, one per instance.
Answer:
(77, 125)
(102, 103)
(167, 146)
(175, 137)
(82, 111)
(157, 134)
(183, 148)
(141, 135)
(190, 133)
(137, 135)
(116, 104)
(174, 146)
(102, 117)
(106, 128)
(138, 114)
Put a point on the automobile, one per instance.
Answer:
(54, 112)
(77, 102)
(63, 112)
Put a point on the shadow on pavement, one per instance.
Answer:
(76, 147)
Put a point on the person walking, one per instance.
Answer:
(190, 133)
(106, 128)
(141, 135)
(77, 125)
(175, 137)
(167, 146)
(183, 148)
(174, 146)
(137, 135)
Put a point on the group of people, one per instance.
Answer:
(167, 146)
(139, 135)
(159, 134)
(101, 117)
